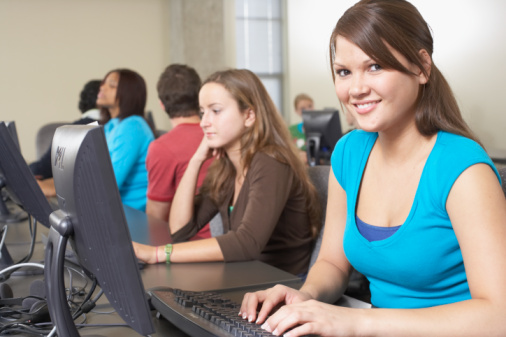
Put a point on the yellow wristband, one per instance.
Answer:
(168, 251)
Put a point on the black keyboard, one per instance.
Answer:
(204, 314)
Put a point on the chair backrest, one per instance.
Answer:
(216, 226)
(358, 285)
(319, 175)
(44, 137)
(502, 173)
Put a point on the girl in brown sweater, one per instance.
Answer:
(257, 183)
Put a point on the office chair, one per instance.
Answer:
(358, 286)
(44, 137)
(502, 173)
(216, 226)
(319, 175)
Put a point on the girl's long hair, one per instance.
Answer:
(268, 135)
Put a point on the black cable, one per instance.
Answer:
(33, 232)
(21, 327)
(75, 290)
(27, 258)
(79, 311)
(93, 325)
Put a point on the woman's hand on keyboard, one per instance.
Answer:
(268, 301)
(314, 318)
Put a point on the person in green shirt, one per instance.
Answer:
(301, 102)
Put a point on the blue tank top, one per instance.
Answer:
(421, 264)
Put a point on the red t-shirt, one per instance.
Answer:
(166, 162)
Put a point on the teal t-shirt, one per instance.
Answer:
(421, 265)
(128, 141)
(298, 136)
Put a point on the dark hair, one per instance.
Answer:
(131, 95)
(178, 89)
(88, 96)
(373, 25)
(268, 134)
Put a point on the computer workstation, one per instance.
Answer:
(93, 219)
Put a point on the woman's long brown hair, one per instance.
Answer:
(269, 135)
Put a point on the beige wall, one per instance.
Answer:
(469, 49)
(50, 48)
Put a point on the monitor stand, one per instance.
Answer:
(60, 231)
(313, 149)
(7, 261)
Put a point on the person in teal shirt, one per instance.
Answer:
(301, 102)
(122, 99)
(414, 202)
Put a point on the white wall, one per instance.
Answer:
(469, 49)
(49, 49)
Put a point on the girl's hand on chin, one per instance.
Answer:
(203, 152)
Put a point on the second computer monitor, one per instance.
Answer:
(322, 129)
(91, 217)
(18, 181)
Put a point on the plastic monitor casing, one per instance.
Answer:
(20, 183)
(322, 129)
(91, 217)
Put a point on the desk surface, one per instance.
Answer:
(191, 276)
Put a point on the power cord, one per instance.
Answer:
(32, 223)
(21, 265)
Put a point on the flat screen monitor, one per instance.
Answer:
(9, 215)
(11, 126)
(322, 129)
(18, 181)
(92, 219)
(18, 184)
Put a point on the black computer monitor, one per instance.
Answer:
(322, 129)
(11, 126)
(18, 181)
(19, 185)
(91, 218)
(9, 215)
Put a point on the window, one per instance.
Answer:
(259, 32)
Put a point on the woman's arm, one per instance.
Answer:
(477, 210)
(182, 204)
(206, 250)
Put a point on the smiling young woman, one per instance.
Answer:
(415, 204)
